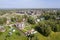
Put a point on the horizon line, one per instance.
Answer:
(29, 8)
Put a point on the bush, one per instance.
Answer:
(17, 33)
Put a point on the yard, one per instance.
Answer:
(17, 35)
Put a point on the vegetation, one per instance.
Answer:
(47, 29)
(31, 20)
(3, 20)
(43, 29)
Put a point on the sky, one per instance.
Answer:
(29, 3)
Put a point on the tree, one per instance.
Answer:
(3, 20)
(58, 13)
(13, 19)
(47, 17)
(31, 20)
(30, 36)
(2, 12)
(25, 16)
(43, 29)
(56, 28)
(17, 18)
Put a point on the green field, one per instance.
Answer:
(52, 36)
(17, 35)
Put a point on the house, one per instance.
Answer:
(23, 19)
(10, 33)
(29, 32)
(12, 29)
(2, 29)
(20, 12)
(37, 20)
(58, 18)
(29, 12)
(42, 18)
(8, 20)
(20, 25)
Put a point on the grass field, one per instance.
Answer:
(17, 35)
(52, 36)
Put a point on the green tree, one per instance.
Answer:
(3, 20)
(13, 19)
(31, 20)
(17, 18)
(43, 29)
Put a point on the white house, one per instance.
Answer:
(32, 31)
(20, 25)
(42, 18)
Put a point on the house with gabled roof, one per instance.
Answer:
(20, 25)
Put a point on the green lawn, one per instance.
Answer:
(52, 36)
(17, 35)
